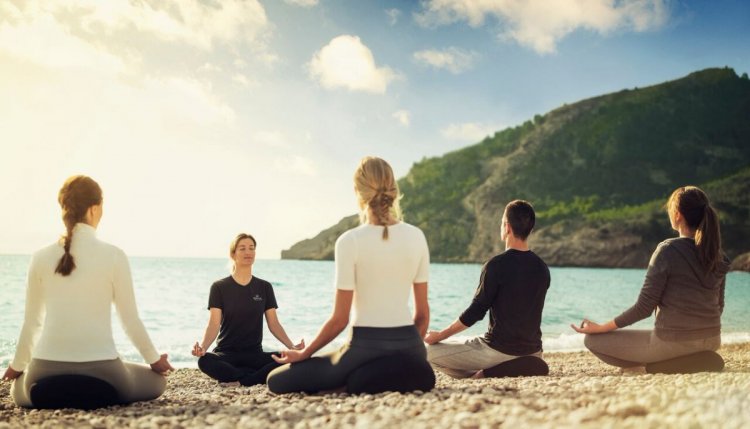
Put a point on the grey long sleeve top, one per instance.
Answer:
(688, 300)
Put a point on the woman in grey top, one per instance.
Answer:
(684, 284)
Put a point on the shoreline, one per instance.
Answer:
(579, 392)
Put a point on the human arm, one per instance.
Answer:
(484, 297)
(274, 325)
(421, 308)
(652, 290)
(124, 300)
(212, 331)
(454, 328)
(330, 329)
(34, 314)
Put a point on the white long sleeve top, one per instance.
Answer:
(74, 312)
(381, 272)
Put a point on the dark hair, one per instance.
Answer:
(521, 218)
(76, 196)
(693, 205)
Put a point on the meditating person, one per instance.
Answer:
(512, 287)
(684, 284)
(236, 307)
(377, 264)
(72, 285)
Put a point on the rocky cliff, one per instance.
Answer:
(597, 171)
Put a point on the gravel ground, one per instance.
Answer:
(579, 392)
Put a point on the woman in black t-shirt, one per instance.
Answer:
(237, 304)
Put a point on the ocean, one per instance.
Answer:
(172, 295)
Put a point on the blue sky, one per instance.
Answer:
(205, 118)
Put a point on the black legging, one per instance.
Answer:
(247, 367)
(332, 370)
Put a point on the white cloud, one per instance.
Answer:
(199, 24)
(209, 68)
(403, 117)
(453, 59)
(393, 16)
(42, 40)
(540, 24)
(346, 62)
(303, 3)
(243, 80)
(471, 132)
(274, 139)
(296, 165)
(122, 35)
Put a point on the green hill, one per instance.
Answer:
(597, 171)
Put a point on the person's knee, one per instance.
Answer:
(430, 353)
(204, 362)
(276, 381)
(590, 342)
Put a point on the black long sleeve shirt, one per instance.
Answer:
(512, 287)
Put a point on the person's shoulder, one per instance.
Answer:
(222, 282)
(672, 244)
(48, 255)
(411, 230)
(350, 235)
(53, 249)
(260, 281)
(533, 255)
(502, 257)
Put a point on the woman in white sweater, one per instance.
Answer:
(377, 265)
(72, 285)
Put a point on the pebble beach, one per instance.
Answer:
(579, 392)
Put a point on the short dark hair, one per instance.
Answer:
(521, 218)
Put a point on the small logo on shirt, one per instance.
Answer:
(257, 298)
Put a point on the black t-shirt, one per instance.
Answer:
(242, 310)
(513, 286)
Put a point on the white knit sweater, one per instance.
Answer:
(75, 312)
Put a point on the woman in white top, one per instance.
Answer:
(71, 287)
(377, 265)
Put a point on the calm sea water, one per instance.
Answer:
(172, 295)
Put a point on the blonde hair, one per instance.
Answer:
(377, 192)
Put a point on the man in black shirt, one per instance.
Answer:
(512, 287)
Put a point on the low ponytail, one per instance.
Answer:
(381, 209)
(377, 191)
(696, 209)
(708, 239)
(76, 196)
(67, 264)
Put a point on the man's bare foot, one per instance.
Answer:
(478, 374)
(230, 384)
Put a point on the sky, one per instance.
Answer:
(201, 119)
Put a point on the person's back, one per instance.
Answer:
(684, 284)
(377, 265)
(522, 279)
(512, 287)
(689, 298)
(70, 333)
(385, 271)
(71, 288)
